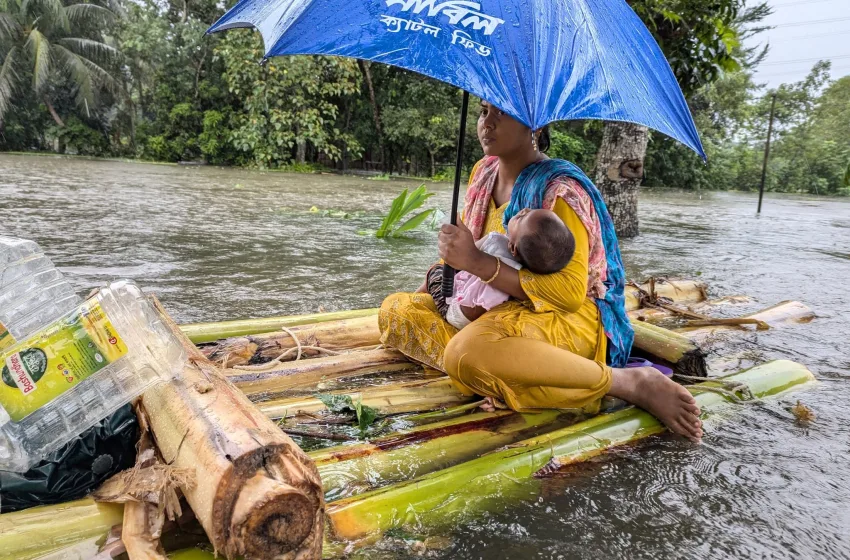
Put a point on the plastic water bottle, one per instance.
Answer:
(32, 292)
(84, 361)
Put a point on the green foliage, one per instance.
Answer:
(810, 148)
(430, 125)
(80, 137)
(213, 139)
(365, 415)
(287, 104)
(404, 204)
(141, 79)
(306, 167)
(52, 49)
(565, 144)
(701, 40)
(178, 139)
(444, 175)
(172, 82)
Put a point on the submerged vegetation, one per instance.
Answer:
(365, 415)
(402, 206)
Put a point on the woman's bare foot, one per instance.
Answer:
(665, 399)
(491, 404)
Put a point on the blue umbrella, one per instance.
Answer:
(538, 60)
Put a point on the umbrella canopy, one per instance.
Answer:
(538, 60)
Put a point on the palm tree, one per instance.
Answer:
(51, 39)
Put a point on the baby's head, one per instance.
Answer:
(541, 240)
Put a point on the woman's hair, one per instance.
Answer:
(544, 141)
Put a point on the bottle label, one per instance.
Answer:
(56, 358)
(6, 338)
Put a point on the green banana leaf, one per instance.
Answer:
(393, 215)
(415, 200)
(404, 204)
(412, 223)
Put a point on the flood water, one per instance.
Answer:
(218, 244)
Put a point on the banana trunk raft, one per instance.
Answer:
(418, 455)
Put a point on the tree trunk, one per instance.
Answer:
(376, 110)
(53, 113)
(132, 125)
(619, 171)
(255, 493)
(433, 164)
(345, 142)
(301, 151)
(198, 73)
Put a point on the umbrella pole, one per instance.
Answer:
(449, 272)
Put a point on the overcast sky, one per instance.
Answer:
(796, 37)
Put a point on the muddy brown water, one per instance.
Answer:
(219, 244)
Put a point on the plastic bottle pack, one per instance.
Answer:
(67, 364)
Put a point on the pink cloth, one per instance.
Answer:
(473, 292)
(470, 290)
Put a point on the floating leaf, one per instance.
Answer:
(802, 413)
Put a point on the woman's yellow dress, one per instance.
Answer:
(547, 352)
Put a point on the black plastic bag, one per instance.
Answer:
(77, 468)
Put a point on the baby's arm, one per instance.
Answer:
(472, 313)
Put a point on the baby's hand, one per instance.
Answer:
(472, 313)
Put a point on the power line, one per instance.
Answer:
(802, 60)
(811, 22)
(831, 34)
(793, 71)
(802, 73)
(798, 77)
(799, 3)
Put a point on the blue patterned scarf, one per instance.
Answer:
(529, 191)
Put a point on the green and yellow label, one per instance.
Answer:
(6, 338)
(51, 361)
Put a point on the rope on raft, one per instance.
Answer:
(274, 362)
(299, 349)
(652, 299)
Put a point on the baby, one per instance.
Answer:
(537, 240)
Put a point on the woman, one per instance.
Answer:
(547, 347)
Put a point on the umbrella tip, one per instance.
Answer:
(264, 61)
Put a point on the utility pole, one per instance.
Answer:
(766, 153)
